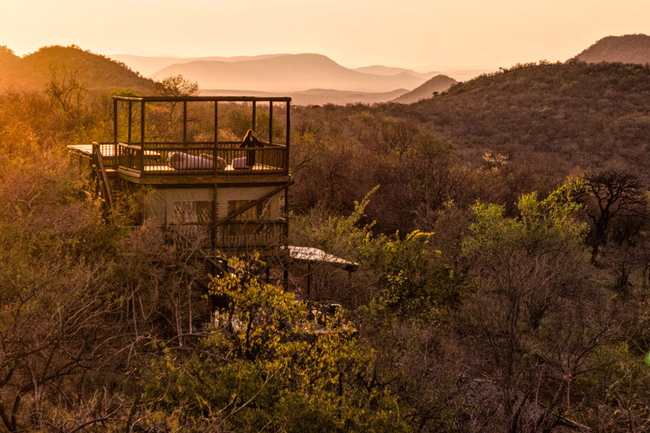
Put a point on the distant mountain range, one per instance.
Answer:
(311, 79)
(149, 65)
(94, 72)
(439, 83)
(318, 96)
(287, 73)
(101, 74)
(624, 49)
(387, 71)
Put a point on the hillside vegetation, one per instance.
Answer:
(575, 114)
(543, 122)
(584, 114)
(503, 284)
(94, 72)
(624, 49)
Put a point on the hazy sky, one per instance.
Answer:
(419, 34)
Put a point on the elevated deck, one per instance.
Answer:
(155, 141)
(156, 172)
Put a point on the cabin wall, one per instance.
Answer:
(187, 205)
(224, 195)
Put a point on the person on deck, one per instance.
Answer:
(250, 141)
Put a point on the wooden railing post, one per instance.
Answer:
(116, 162)
(142, 149)
(130, 120)
(254, 116)
(288, 140)
(216, 138)
(271, 123)
(184, 122)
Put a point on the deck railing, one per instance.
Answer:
(184, 157)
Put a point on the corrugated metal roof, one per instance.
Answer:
(310, 254)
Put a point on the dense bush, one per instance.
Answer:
(491, 293)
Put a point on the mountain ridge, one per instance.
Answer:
(593, 115)
(296, 72)
(392, 70)
(94, 72)
(148, 65)
(438, 84)
(316, 96)
(634, 48)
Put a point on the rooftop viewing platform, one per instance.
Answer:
(196, 139)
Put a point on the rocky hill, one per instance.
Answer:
(93, 71)
(7, 58)
(587, 115)
(566, 116)
(624, 49)
(437, 84)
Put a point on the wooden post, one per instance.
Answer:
(184, 122)
(215, 217)
(142, 150)
(102, 177)
(254, 115)
(216, 139)
(286, 238)
(216, 123)
(285, 276)
(286, 193)
(287, 134)
(130, 119)
(308, 278)
(142, 124)
(270, 123)
(116, 161)
(215, 202)
(286, 216)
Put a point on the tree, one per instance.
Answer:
(58, 305)
(615, 196)
(64, 88)
(176, 86)
(399, 135)
(535, 320)
(271, 362)
(384, 136)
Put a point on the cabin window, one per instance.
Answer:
(256, 213)
(192, 212)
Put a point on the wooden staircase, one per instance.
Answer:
(103, 184)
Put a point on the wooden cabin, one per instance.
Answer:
(206, 182)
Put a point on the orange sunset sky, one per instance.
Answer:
(420, 34)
